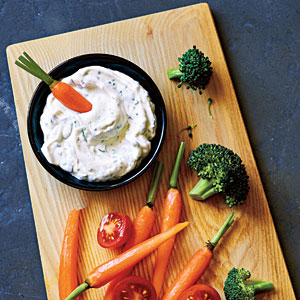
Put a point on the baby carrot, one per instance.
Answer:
(67, 281)
(69, 97)
(144, 221)
(112, 268)
(62, 91)
(196, 266)
(141, 227)
(171, 215)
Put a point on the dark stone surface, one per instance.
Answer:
(261, 41)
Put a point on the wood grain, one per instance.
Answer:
(154, 43)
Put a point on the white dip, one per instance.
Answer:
(108, 141)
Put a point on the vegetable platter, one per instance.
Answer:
(154, 43)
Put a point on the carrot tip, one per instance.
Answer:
(184, 224)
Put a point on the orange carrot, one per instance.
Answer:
(144, 221)
(67, 281)
(190, 273)
(171, 215)
(142, 226)
(69, 97)
(62, 91)
(196, 266)
(109, 270)
(141, 229)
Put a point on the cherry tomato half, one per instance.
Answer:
(200, 292)
(134, 288)
(114, 230)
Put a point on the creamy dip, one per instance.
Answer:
(108, 141)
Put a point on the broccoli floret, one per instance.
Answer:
(237, 287)
(194, 69)
(221, 171)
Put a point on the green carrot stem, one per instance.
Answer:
(29, 65)
(174, 73)
(214, 241)
(155, 180)
(80, 289)
(173, 179)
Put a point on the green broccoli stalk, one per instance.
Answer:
(221, 171)
(194, 69)
(237, 287)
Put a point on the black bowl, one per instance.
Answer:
(68, 68)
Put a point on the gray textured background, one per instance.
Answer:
(261, 41)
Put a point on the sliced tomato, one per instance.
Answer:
(134, 288)
(114, 230)
(200, 292)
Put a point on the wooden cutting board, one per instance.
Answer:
(154, 43)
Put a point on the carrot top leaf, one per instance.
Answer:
(29, 65)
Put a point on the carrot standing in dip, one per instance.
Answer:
(62, 91)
